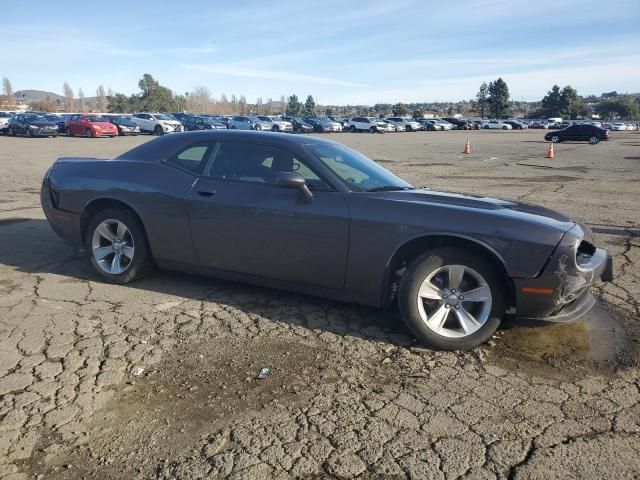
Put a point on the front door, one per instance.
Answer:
(241, 221)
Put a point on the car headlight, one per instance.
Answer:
(35, 127)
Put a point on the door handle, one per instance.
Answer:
(206, 193)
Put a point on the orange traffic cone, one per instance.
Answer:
(467, 148)
(549, 151)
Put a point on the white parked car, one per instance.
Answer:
(404, 125)
(497, 124)
(4, 121)
(366, 124)
(444, 125)
(277, 125)
(618, 126)
(390, 127)
(156, 123)
(632, 126)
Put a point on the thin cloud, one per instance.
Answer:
(235, 71)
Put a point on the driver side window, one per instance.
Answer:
(259, 163)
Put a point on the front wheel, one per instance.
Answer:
(158, 130)
(117, 245)
(89, 133)
(593, 140)
(372, 130)
(452, 299)
(352, 129)
(68, 132)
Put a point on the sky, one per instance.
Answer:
(341, 52)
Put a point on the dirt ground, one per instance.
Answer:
(158, 379)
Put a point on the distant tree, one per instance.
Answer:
(118, 103)
(242, 105)
(81, 101)
(482, 98)
(572, 105)
(200, 100)
(8, 91)
(551, 104)
(153, 97)
(102, 98)
(283, 105)
(294, 107)
(310, 106)
(498, 98)
(268, 108)
(624, 108)
(329, 112)
(399, 110)
(109, 92)
(46, 105)
(562, 103)
(147, 85)
(418, 113)
(69, 102)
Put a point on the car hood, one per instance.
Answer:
(516, 210)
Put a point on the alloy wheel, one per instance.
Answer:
(454, 301)
(112, 246)
(555, 139)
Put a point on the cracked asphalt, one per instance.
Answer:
(157, 379)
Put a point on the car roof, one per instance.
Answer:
(158, 149)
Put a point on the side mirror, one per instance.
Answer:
(294, 180)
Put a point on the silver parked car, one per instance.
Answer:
(242, 123)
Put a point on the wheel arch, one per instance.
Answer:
(95, 205)
(405, 253)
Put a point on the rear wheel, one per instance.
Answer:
(555, 139)
(409, 129)
(276, 128)
(593, 140)
(452, 299)
(117, 245)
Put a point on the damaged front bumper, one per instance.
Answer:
(561, 293)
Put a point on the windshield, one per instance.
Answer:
(35, 118)
(118, 119)
(160, 116)
(265, 119)
(95, 119)
(356, 170)
(52, 118)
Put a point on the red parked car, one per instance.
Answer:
(89, 125)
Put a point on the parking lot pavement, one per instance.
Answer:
(157, 379)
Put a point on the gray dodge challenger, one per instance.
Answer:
(313, 216)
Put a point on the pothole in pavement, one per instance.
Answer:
(598, 341)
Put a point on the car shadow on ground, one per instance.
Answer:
(31, 246)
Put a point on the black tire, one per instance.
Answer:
(420, 268)
(142, 262)
(373, 130)
(408, 128)
(593, 140)
(68, 132)
(505, 128)
(29, 133)
(12, 132)
(158, 131)
(232, 127)
(486, 127)
(89, 133)
(275, 128)
(556, 139)
(352, 129)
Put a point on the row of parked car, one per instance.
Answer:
(110, 125)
